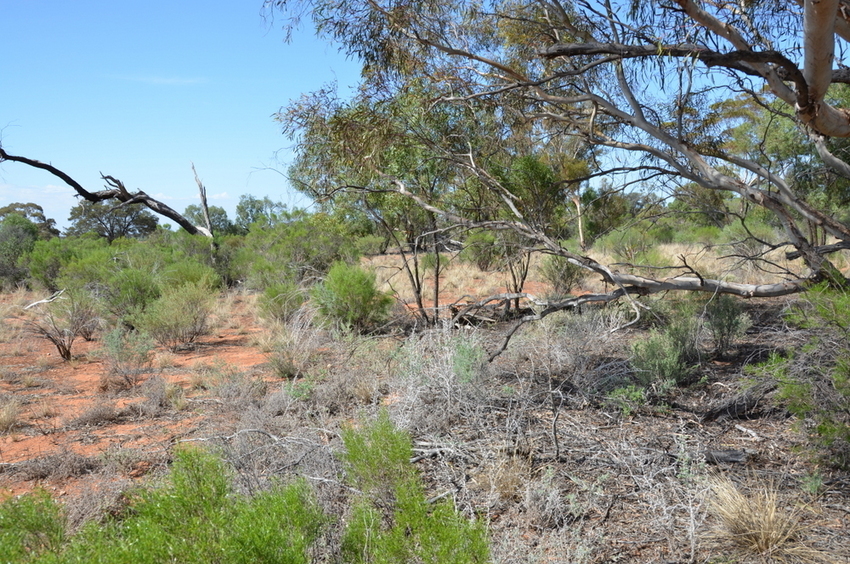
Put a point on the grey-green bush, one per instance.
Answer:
(349, 297)
(561, 274)
(179, 316)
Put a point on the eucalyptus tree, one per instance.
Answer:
(348, 149)
(637, 83)
(110, 223)
(35, 213)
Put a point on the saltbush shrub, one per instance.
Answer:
(349, 297)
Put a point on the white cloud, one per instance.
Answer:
(222, 196)
(166, 197)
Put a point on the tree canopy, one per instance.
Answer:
(35, 213)
(110, 222)
(731, 106)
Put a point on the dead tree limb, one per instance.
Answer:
(115, 191)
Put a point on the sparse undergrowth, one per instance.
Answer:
(195, 515)
(557, 450)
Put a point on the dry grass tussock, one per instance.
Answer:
(757, 524)
(10, 411)
(456, 277)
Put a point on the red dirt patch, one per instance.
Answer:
(63, 409)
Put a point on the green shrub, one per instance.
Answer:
(29, 526)
(670, 352)
(626, 245)
(279, 302)
(468, 359)
(726, 322)
(349, 297)
(482, 250)
(127, 355)
(17, 238)
(684, 328)
(391, 520)
(691, 233)
(299, 247)
(190, 272)
(627, 399)
(658, 360)
(196, 517)
(814, 380)
(50, 259)
(178, 317)
(561, 274)
(370, 245)
(129, 292)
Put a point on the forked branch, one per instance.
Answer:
(116, 191)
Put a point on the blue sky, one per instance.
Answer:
(140, 90)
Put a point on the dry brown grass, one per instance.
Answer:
(504, 478)
(757, 524)
(10, 411)
(455, 279)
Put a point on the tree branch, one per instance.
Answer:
(117, 191)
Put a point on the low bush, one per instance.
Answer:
(30, 525)
(561, 274)
(391, 520)
(658, 361)
(349, 297)
(627, 399)
(813, 379)
(127, 356)
(179, 316)
(280, 301)
(195, 516)
(726, 321)
(668, 356)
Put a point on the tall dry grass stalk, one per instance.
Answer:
(757, 524)
(10, 411)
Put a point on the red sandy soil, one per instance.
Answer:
(54, 393)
